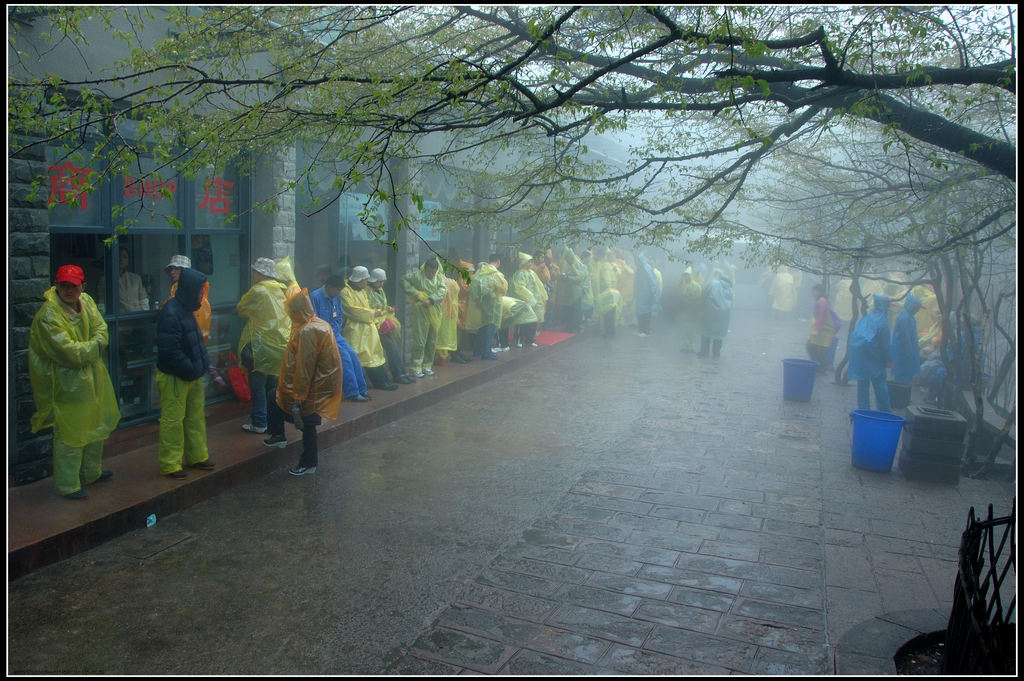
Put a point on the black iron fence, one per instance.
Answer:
(981, 634)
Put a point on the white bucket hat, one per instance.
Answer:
(266, 267)
(377, 275)
(179, 261)
(359, 273)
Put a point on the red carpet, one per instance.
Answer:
(551, 337)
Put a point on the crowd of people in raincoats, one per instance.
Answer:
(305, 352)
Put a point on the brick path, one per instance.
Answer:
(617, 507)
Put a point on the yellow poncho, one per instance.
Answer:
(360, 329)
(267, 326)
(70, 383)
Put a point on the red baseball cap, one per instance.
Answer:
(72, 274)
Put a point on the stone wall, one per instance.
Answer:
(28, 271)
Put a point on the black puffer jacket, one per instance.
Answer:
(180, 348)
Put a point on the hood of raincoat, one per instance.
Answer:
(881, 302)
(300, 309)
(190, 285)
(283, 268)
(523, 260)
(912, 303)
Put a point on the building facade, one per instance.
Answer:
(210, 219)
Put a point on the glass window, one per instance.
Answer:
(69, 189)
(150, 197)
(428, 230)
(142, 278)
(216, 199)
(88, 252)
(222, 258)
(137, 395)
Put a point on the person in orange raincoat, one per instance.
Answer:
(310, 384)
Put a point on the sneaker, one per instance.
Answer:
(534, 345)
(276, 441)
(418, 374)
(177, 475)
(249, 428)
(77, 494)
(302, 470)
(519, 345)
(428, 372)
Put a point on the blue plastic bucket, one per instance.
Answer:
(798, 379)
(876, 434)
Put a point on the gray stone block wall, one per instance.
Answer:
(28, 272)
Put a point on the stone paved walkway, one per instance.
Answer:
(616, 508)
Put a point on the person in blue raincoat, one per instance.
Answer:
(647, 294)
(870, 355)
(717, 311)
(326, 302)
(906, 353)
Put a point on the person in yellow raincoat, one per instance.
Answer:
(608, 305)
(389, 329)
(528, 287)
(425, 289)
(310, 384)
(691, 309)
(204, 315)
(784, 293)
(464, 353)
(929, 320)
(263, 340)
(70, 383)
(514, 313)
(483, 311)
(360, 329)
(448, 333)
(625, 285)
(286, 275)
(573, 277)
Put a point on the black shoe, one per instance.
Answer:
(104, 476)
(302, 470)
(203, 465)
(77, 494)
(177, 475)
(388, 386)
(405, 380)
(276, 441)
(358, 398)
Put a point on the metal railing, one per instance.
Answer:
(981, 633)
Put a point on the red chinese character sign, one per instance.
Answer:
(69, 185)
(217, 198)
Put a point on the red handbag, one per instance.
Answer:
(386, 326)
(238, 379)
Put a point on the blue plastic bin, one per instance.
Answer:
(876, 434)
(798, 379)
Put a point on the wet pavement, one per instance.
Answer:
(615, 507)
